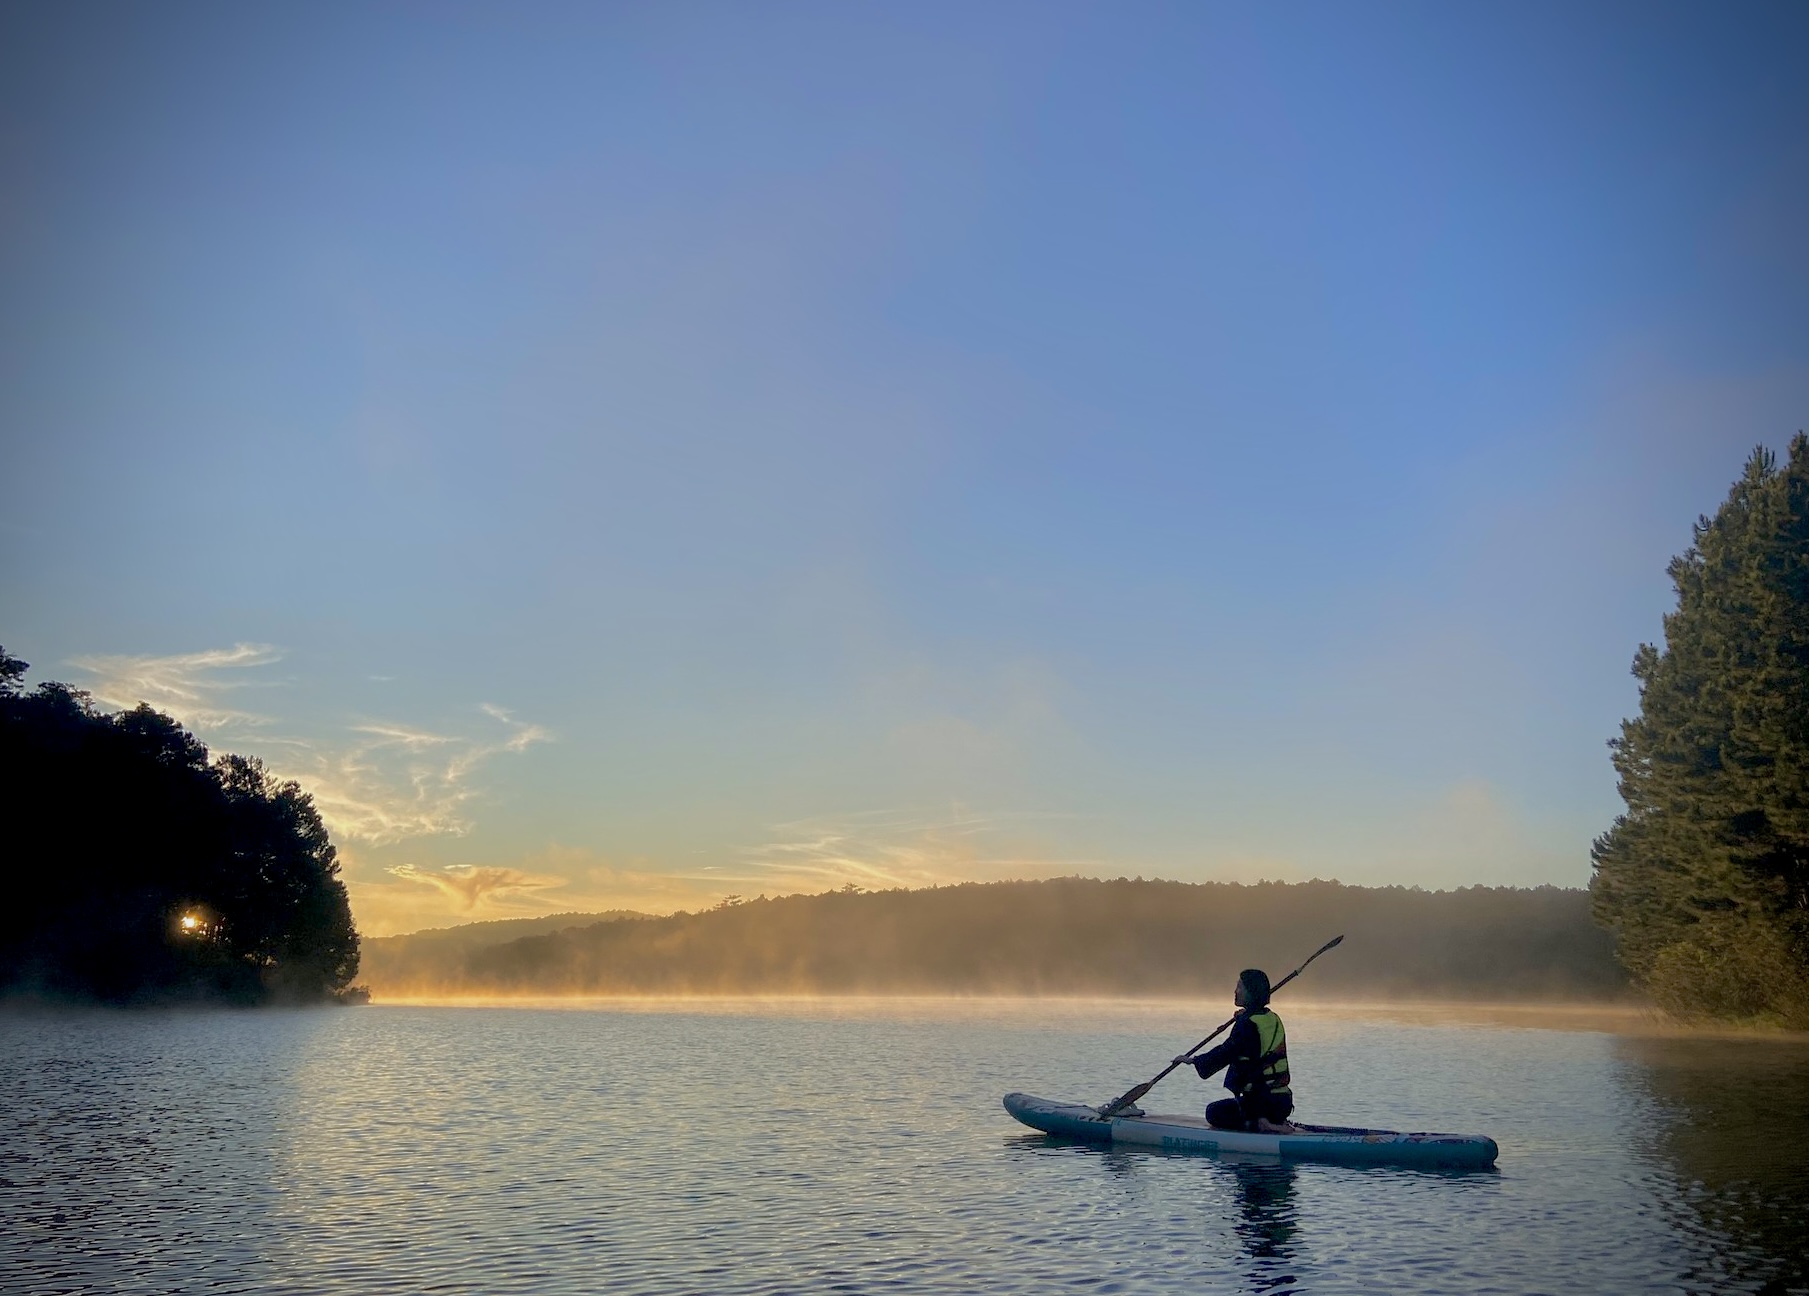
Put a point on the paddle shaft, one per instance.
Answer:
(1132, 1095)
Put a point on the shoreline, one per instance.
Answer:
(1627, 1018)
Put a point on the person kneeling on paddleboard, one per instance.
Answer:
(1254, 1058)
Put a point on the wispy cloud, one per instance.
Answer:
(897, 848)
(376, 780)
(193, 687)
(390, 782)
(470, 884)
(875, 851)
(558, 879)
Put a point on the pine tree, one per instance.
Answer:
(1705, 878)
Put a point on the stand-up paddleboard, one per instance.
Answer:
(1312, 1143)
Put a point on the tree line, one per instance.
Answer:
(1069, 936)
(140, 870)
(1704, 881)
(433, 956)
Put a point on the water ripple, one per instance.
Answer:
(502, 1150)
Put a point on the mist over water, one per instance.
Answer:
(859, 1145)
(1062, 936)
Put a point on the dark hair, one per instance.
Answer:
(1255, 984)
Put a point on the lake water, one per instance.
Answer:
(861, 1147)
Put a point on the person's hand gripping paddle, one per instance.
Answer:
(1130, 1096)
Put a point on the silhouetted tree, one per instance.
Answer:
(1705, 879)
(12, 674)
(138, 870)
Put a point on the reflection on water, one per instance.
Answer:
(727, 1149)
(1733, 1128)
(1267, 1222)
(1259, 1215)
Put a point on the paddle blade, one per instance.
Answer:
(1130, 1096)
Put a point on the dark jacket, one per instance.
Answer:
(1247, 1068)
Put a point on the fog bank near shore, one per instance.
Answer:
(1064, 937)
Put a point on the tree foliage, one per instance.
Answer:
(140, 870)
(1705, 879)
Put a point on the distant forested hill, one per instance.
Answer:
(1066, 936)
(429, 957)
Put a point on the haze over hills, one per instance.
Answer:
(441, 951)
(1072, 936)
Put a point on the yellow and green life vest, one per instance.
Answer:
(1269, 1073)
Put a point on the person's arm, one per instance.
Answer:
(1236, 1045)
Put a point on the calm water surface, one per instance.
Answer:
(861, 1148)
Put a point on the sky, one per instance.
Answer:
(620, 456)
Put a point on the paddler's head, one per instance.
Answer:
(1252, 988)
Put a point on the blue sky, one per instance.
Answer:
(625, 455)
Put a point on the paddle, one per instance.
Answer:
(1132, 1095)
